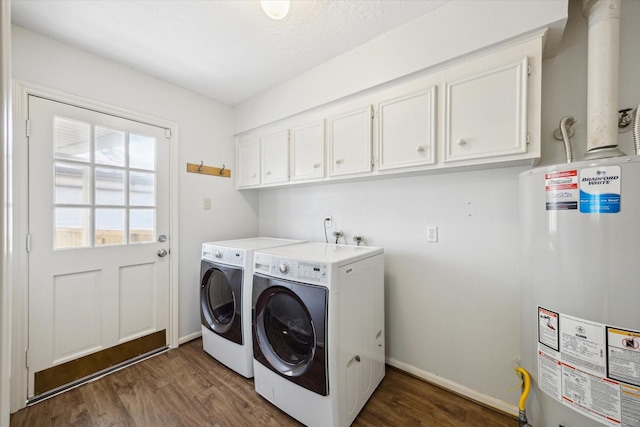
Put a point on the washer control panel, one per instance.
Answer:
(303, 271)
(223, 255)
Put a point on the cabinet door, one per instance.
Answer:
(350, 142)
(407, 130)
(486, 113)
(275, 158)
(248, 162)
(307, 151)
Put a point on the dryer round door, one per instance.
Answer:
(220, 299)
(290, 331)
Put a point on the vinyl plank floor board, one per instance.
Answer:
(185, 387)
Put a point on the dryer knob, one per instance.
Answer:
(218, 254)
(284, 268)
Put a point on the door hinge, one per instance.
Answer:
(528, 139)
(26, 358)
(529, 70)
(28, 128)
(28, 242)
(167, 133)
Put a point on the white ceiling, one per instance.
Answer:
(228, 50)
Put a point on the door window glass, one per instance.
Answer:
(142, 187)
(110, 187)
(71, 139)
(72, 183)
(142, 152)
(110, 146)
(104, 186)
(141, 223)
(71, 227)
(110, 227)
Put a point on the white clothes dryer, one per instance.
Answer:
(318, 329)
(226, 272)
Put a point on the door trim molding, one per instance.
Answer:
(20, 303)
(6, 277)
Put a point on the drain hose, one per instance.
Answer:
(526, 386)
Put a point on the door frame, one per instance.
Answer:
(20, 287)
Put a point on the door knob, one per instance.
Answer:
(162, 253)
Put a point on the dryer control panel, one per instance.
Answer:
(302, 271)
(223, 255)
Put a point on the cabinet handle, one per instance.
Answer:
(316, 165)
(267, 173)
(461, 142)
(419, 149)
(338, 161)
(355, 358)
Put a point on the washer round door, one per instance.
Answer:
(220, 300)
(290, 331)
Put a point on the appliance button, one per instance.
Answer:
(218, 254)
(284, 268)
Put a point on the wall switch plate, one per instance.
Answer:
(432, 233)
(206, 204)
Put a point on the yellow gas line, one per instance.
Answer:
(526, 387)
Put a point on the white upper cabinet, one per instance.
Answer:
(349, 138)
(481, 110)
(486, 112)
(275, 158)
(407, 130)
(248, 162)
(307, 151)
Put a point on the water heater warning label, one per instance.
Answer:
(562, 190)
(593, 368)
(600, 190)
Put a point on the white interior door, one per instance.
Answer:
(99, 229)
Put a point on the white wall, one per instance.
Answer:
(205, 134)
(452, 307)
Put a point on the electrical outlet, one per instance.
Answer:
(328, 222)
(206, 204)
(432, 233)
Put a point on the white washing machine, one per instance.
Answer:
(226, 272)
(318, 329)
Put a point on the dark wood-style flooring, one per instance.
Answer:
(186, 387)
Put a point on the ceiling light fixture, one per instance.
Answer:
(275, 9)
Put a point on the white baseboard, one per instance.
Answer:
(189, 337)
(455, 387)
